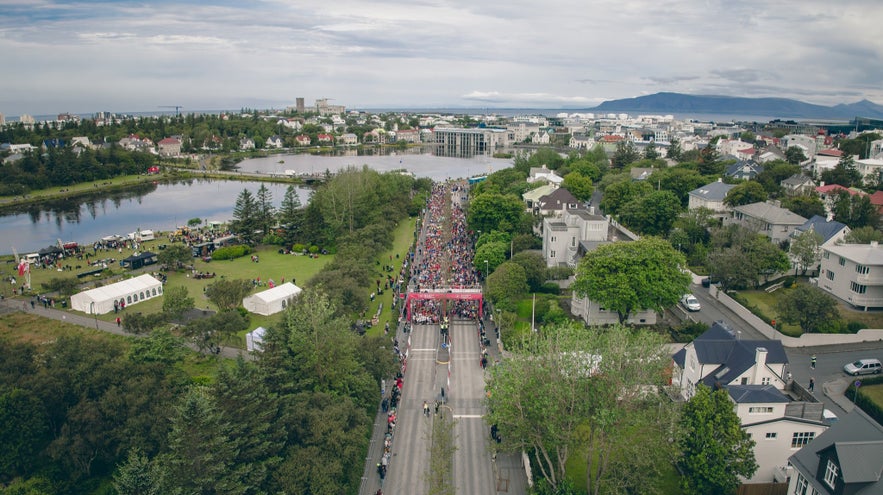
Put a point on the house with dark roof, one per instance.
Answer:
(556, 202)
(797, 185)
(830, 231)
(847, 459)
(744, 170)
(768, 218)
(772, 408)
(711, 196)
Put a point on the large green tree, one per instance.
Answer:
(716, 451)
(625, 154)
(621, 192)
(493, 211)
(227, 294)
(176, 300)
(175, 256)
(632, 276)
(746, 193)
(579, 185)
(863, 235)
(506, 284)
(594, 393)
(806, 206)
(291, 215)
(808, 307)
(855, 210)
(844, 173)
(534, 268)
(652, 214)
(266, 212)
(805, 247)
(246, 217)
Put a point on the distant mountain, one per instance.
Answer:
(731, 105)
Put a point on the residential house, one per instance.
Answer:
(56, 143)
(711, 196)
(828, 193)
(274, 141)
(769, 219)
(778, 414)
(798, 185)
(640, 173)
(81, 142)
(877, 201)
(831, 231)
(302, 140)
(348, 139)
(768, 154)
(134, 142)
(581, 141)
(556, 202)
(853, 273)
(806, 143)
(847, 459)
(544, 174)
(325, 138)
(562, 235)
(870, 169)
(744, 170)
(408, 136)
(735, 147)
(825, 159)
(291, 123)
(246, 144)
(533, 196)
(169, 147)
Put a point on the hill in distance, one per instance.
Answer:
(732, 105)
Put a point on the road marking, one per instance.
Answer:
(468, 416)
(423, 350)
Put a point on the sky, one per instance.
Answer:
(136, 56)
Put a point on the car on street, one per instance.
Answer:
(690, 302)
(867, 366)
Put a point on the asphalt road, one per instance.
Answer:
(713, 311)
(830, 379)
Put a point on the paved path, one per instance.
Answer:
(76, 318)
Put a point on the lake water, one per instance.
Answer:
(166, 205)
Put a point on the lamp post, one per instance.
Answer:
(485, 269)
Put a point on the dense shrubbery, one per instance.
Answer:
(866, 403)
(231, 252)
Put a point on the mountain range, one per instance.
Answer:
(679, 103)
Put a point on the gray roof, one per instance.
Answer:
(857, 441)
(587, 215)
(716, 191)
(745, 169)
(797, 180)
(771, 213)
(862, 254)
(822, 226)
(756, 394)
(718, 345)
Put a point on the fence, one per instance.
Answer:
(763, 489)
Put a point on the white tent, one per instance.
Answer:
(254, 340)
(131, 291)
(272, 300)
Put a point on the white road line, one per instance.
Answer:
(468, 416)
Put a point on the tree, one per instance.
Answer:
(716, 451)
(617, 194)
(741, 257)
(625, 154)
(795, 155)
(774, 173)
(855, 210)
(806, 250)
(176, 301)
(653, 214)
(709, 160)
(494, 253)
(844, 173)
(138, 476)
(808, 307)
(579, 185)
(228, 293)
(534, 268)
(746, 193)
(863, 235)
(650, 152)
(194, 222)
(506, 284)
(207, 334)
(806, 206)
(175, 256)
(674, 150)
(631, 276)
(265, 209)
(246, 216)
(493, 211)
(291, 215)
(570, 390)
(24, 431)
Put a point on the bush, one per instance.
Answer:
(550, 288)
(231, 252)
(273, 239)
(64, 286)
(788, 282)
(559, 273)
(688, 331)
(855, 326)
(873, 409)
(298, 248)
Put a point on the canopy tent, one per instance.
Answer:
(254, 340)
(131, 291)
(273, 300)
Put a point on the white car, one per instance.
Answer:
(690, 302)
(863, 367)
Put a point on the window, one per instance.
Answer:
(829, 274)
(128, 299)
(765, 380)
(801, 438)
(552, 254)
(800, 486)
(771, 435)
(842, 261)
(573, 241)
(744, 380)
(553, 239)
(831, 472)
(826, 255)
(858, 288)
(154, 291)
(862, 270)
(760, 410)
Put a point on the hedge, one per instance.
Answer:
(870, 407)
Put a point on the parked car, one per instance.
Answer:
(690, 302)
(868, 366)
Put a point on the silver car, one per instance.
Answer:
(863, 367)
(690, 302)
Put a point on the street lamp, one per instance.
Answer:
(485, 269)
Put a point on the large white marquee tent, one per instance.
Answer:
(131, 291)
(273, 300)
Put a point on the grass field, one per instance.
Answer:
(874, 392)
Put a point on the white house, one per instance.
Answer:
(711, 196)
(274, 141)
(853, 273)
(769, 219)
(562, 235)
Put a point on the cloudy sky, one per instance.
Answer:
(89, 55)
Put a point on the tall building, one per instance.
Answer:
(463, 143)
(323, 108)
(299, 104)
(2, 119)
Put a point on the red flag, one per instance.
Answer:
(23, 267)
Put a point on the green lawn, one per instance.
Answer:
(874, 392)
(402, 241)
